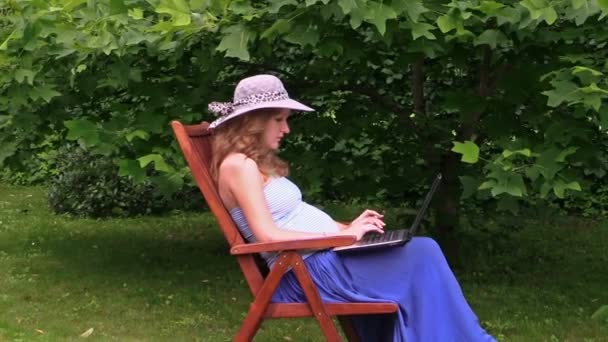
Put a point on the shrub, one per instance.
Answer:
(89, 185)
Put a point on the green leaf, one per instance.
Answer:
(131, 168)
(603, 117)
(133, 37)
(356, 18)
(72, 4)
(279, 27)
(561, 157)
(4, 44)
(593, 96)
(422, 30)
(469, 151)
(508, 15)
(603, 4)
(413, 8)
(540, 8)
(550, 15)
(469, 186)
(349, 5)
(498, 189)
(532, 172)
(168, 183)
(534, 6)
(44, 92)
(524, 152)
(428, 48)
(117, 7)
(487, 185)
(162, 26)
(7, 150)
(586, 75)
(4, 119)
(601, 314)
(544, 189)
(136, 13)
(157, 159)
(446, 23)
(517, 186)
(581, 11)
(143, 135)
(563, 91)
(25, 74)
(276, 5)
(303, 36)
(512, 184)
(491, 38)
(378, 14)
(235, 42)
(490, 7)
(593, 88)
(82, 129)
(242, 8)
(576, 4)
(356, 9)
(178, 9)
(312, 2)
(559, 187)
(574, 186)
(548, 164)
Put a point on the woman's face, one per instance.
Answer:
(276, 127)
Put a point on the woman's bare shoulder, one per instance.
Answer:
(238, 164)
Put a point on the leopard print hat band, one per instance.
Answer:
(226, 108)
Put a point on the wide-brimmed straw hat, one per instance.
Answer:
(256, 92)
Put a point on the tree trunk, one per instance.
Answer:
(447, 206)
(446, 200)
(418, 86)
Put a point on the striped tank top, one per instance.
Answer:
(289, 212)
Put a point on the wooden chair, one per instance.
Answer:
(195, 143)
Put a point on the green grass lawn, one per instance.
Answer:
(170, 278)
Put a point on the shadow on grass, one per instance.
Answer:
(134, 255)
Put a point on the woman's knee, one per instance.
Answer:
(425, 246)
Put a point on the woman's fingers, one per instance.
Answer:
(373, 228)
(369, 213)
(375, 221)
(372, 212)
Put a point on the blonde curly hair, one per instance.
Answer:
(245, 134)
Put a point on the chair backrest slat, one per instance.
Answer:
(195, 142)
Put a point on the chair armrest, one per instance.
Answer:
(277, 246)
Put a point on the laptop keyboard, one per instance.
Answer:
(376, 238)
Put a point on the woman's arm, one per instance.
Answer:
(341, 225)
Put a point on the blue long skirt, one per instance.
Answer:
(416, 276)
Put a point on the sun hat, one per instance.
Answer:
(255, 92)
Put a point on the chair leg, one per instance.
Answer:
(314, 300)
(254, 317)
(348, 328)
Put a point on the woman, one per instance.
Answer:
(266, 206)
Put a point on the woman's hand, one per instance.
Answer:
(368, 221)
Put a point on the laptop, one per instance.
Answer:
(394, 237)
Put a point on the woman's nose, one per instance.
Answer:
(286, 128)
